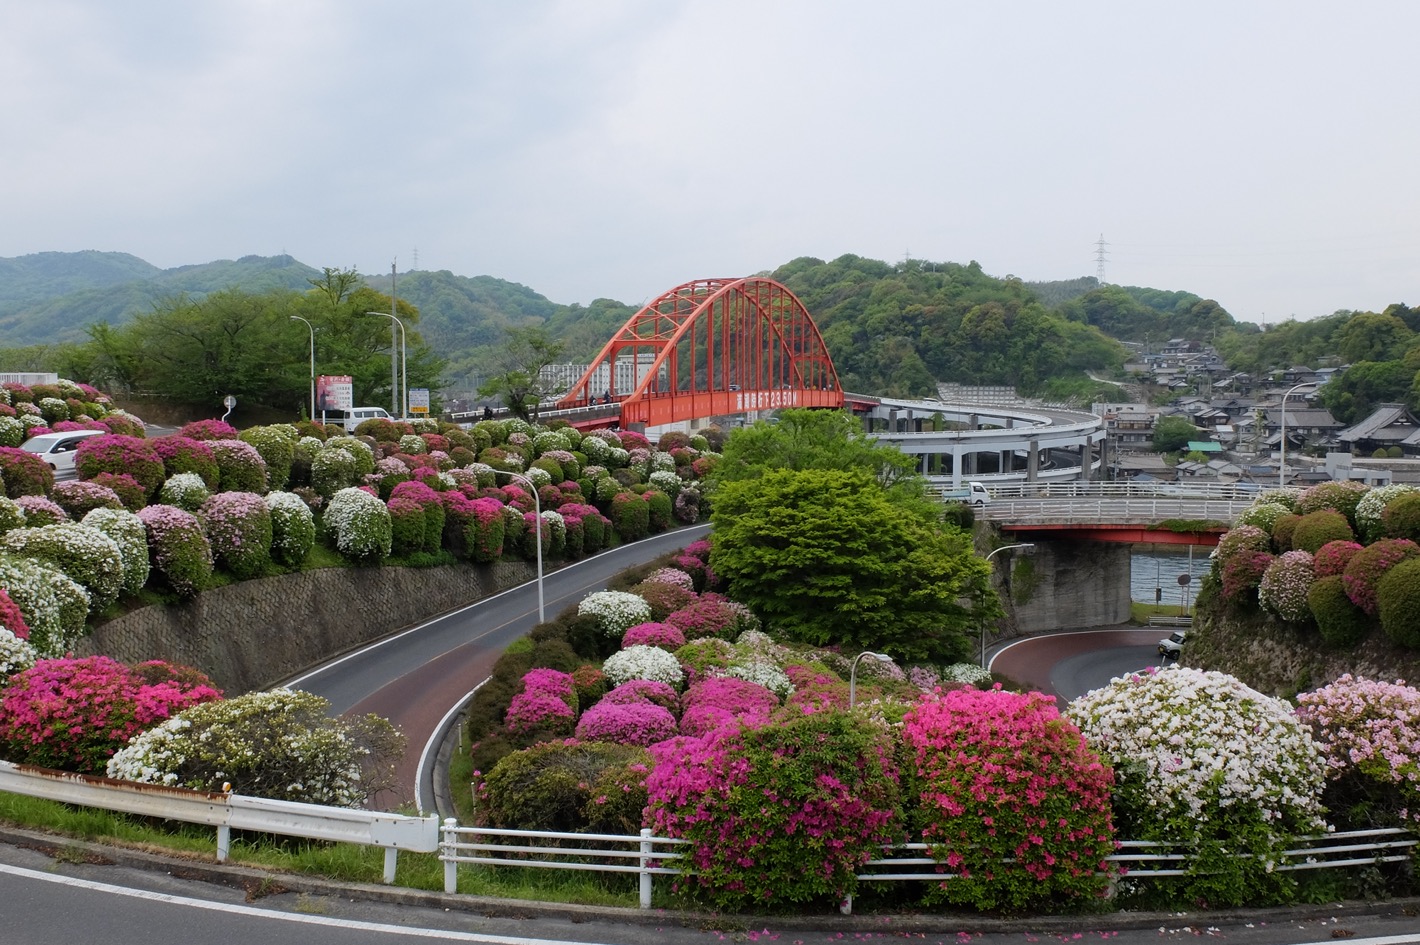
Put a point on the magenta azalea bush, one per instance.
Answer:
(24, 473)
(644, 690)
(1285, 585)
(77, 497)
(779, 815)
(1012, 800)
(121, 455)
(1369, 733)
(73, 714)
(632, 723)
(13, 620)
(183, 454)
(663, 635)
(178, 548)
(725, 702)
(713, 616)
(209, 430)
(1332, 557)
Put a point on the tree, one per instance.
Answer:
(816, 439)
(521, 385)
(1172, 434)
(826, 558)
(1352, 395)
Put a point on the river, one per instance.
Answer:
(1157, 571)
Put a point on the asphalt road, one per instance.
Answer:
(418, 677)
(1070, 664)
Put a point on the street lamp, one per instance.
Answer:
(1282, 465)
(397, 369)
(537, 511)
(1021, 545)
(853, 671)
(313, 363)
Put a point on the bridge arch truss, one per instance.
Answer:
(708, 348)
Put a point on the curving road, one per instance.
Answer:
(1069, 664)
(419, 678)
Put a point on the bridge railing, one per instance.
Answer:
(1129, 489)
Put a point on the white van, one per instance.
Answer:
(58, 450)
(352, 418)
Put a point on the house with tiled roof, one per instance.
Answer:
(1388, 425)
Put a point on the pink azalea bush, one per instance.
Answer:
(11, 618)
(1012, 800)
(1369, 733)
(633, 723)
(637, 691)
(779, 815)
(24, 473)
(240, 467)
(77, 497)
(178, 548)
(1366, 568)
(40, 511)
(725, 701)
(73, 714)
(209, 430)
(118, 454)
(1285, 585)
(664, 635)
(1332, 557)
(238, 526)
(713, 616)
(183, 454)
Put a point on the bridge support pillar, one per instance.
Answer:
(1033, 461)
(1087, 455)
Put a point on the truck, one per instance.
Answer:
(972, 493)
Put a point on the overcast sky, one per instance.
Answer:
(1262, 154)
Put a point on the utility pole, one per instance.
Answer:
(394, 345)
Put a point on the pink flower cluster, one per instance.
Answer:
(548, 702)
(1366, 568)
(1332, 557)
(631, 723)
(644, 690)
(74, 713)
(664, 635)
(12, 619)
(1020, 806)
(725, 702)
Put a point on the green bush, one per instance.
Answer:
(566, 787)
(238, 526)
(1317, 528)
(659, 508)
(293, 528)
(1401, 517)
(1398, 603)
(24, 473)
(127, 531)
(178, 548)
(630, 516)
(240, 467)
(53, 604)
(1283, 529)
(277, 446)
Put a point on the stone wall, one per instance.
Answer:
(254, 634)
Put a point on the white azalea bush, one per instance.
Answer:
(131, 537)
(279, 744)
(761, 672)
(185, 491)
(54, 606)
(1209, 764)
(86, 555)
(1372, 506)
(293, 528)
(360, 524)
(643, 662)
(615, 611)
(16, 655)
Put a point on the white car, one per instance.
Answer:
(58, 449)
(1172, 647)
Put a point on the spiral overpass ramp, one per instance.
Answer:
(994, 445)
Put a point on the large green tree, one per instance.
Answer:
(520, 384)
(827, 558)
(1172, 434)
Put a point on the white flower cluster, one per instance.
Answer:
(617, 611)
(412, 444)
(185, 490)
(86, 555)
(539, 476)
(54, 409)
(293, 528)
(128, 532)
(662, 462)
(968, 673)
(667, 482)
(1194, 742)
(360, 523)
(1373, 503)
(643, 662)
(761, 672)
(549, 440)
(16, 655)
(54, 605)
(618, 458)
(12, 431)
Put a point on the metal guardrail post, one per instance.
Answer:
(391, 861)
(446, 853)
(224, 842)
(645, 863)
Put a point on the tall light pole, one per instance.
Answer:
(298, 318)
(396, 369)
(853, 671)
(1021, 545)
(1282, 466)
(537, 511)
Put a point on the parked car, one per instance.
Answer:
(58, 449)
(352, 418)
(1170, 648)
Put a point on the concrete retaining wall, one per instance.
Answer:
(254, 634)
(1072, 584)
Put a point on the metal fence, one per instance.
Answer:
(643, 854)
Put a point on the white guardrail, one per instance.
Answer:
(643, 854)
(226, 812)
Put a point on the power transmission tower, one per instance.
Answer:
(1100, 255)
